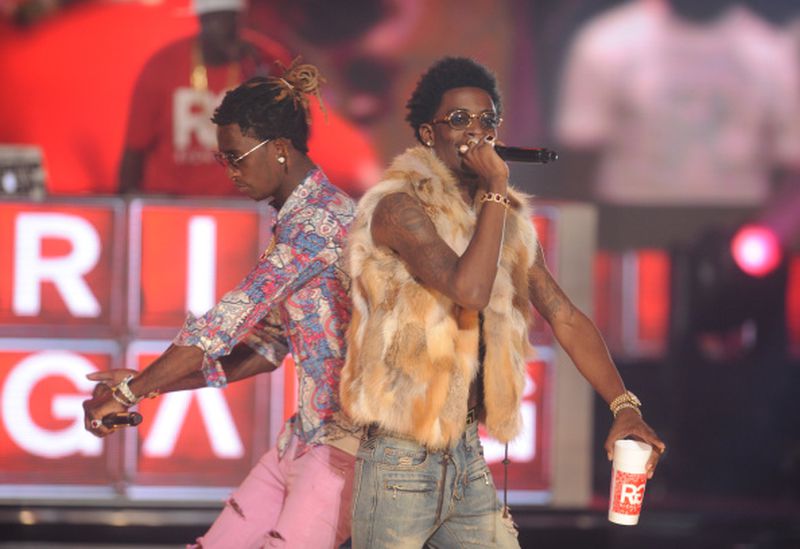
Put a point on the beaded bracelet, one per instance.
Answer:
(496, 197)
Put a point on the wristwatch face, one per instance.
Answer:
(633, 399)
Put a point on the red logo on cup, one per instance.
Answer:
(628, 492)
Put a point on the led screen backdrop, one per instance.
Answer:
(94, 284)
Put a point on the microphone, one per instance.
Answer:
(519, 154)
(122, 419)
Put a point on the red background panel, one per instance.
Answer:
(532, 474)
(603, 273)
(793, 304)
(632, 301)
(50, 378)
(104, 220)
(164, 257)
(653, 298)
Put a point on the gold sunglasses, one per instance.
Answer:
(228, 160)
(461, 119)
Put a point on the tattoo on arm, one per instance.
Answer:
(401, 224)
(406, 216)
(548, 298)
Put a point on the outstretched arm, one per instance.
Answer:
(581, 340)
(177, 369)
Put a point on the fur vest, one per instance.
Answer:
(412, 352)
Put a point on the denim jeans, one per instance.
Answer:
(406, 496)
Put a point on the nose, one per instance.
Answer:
(475, 129)
(231, 170)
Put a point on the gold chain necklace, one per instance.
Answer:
(198, 78)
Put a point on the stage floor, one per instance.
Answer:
(73, 528)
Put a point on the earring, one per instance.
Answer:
(429, 143)
(281, 159)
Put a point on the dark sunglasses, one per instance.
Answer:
(461, 119)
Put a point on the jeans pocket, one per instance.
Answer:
(403, 510)
(484, 476)
(479, 475)
(480, 492)
(405, 485)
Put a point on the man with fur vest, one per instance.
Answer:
(445, 263)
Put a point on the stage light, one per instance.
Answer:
(729, 286)
(756, 250)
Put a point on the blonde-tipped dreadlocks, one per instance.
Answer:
(275, 106)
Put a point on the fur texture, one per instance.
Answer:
(412, 352)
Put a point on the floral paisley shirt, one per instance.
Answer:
(294, 300)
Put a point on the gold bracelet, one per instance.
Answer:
(627, 396)
(625, 400)
(624, 405)
(496, 197)
(620, 399)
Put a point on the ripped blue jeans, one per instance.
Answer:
(406, 496)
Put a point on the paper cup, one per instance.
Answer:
(628, 478)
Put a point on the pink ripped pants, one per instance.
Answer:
(291, 501)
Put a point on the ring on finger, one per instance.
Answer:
(95, 423)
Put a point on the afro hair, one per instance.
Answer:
(444, 75)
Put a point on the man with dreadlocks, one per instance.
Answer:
(445, 264)
(296, 297)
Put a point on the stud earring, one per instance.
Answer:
(281, 159)
(429, 143)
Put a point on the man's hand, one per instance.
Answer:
(479, 157)
(102, 403)
(630, 424)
